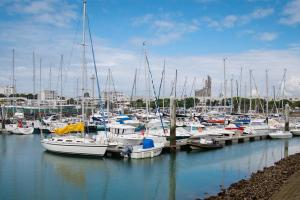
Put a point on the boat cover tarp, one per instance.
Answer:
(70, 128)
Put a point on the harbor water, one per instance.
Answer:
(29, 172)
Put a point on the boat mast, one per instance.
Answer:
(267, 94)
(33, 72)
(146, 85)
(83, 59)
(61, 88)
(77, 95)
(283, 90)
(245, 97)
(183, 95)
(108, 94)
(40, 87)
(224, 60)
(164, 82)
(192, 94)
(240, 91)
(13, 77)
(231, 94)
(133, 88)
(93, 92)
(250, 88)
(237, 91)
(274, 99)
(50, 77)
(33, 80)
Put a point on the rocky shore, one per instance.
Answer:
(264, 184)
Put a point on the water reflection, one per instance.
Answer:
(172, 176)
(28, 170)
(79, 172)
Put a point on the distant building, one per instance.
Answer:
(48, 95)
(114, 96)
(206, 90)
(6, 90)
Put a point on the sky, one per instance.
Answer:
(192, 36)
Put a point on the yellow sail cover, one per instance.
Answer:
(70, 128)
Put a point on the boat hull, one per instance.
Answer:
(295, 132)
(23, 131)
(140, 153)
(75, 149)
(281, 135)
(197, 145)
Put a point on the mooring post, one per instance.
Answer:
(173, 123)
(2, 117)
(286, 117)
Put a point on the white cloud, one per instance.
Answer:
(229, 21)
(291, 13)
(261, 13)
(53, 12)
(48, 43)
(137, 21)
(163, 28)
(292, 86)
(267, 36)
(232, 20)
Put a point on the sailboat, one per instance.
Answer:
(74, 144)
(77, 144)
(281, 135)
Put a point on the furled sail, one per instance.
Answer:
(70, 128)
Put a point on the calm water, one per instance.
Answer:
(28, 172)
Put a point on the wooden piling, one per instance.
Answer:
(287, 113)
(2, 118)
(173, 124)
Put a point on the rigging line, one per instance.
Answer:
(154, 91)
(193, 85)
(172, 88)
(258, 95)
(133, 86)
(66, 69)
(161, 80)
(184, 88)
(96, 74)
(114, 86)
(280, 87)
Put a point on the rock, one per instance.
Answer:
(264, 183)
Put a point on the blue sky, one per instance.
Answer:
(193, 36)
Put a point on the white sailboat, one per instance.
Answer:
(75, 144)
(281, 135)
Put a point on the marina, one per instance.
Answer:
(149, 100)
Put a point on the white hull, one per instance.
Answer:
(281, 135)
(130, 139)
(139, 153)
(295, 132)
(261, 131)
(23, 131)
(10, 127)
(74, 148)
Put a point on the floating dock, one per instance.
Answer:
(182, 145)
